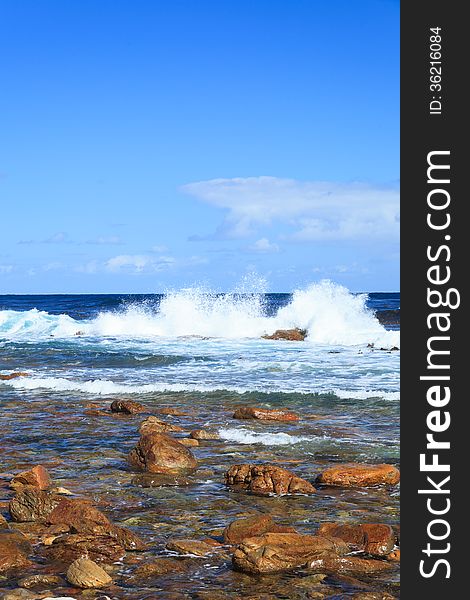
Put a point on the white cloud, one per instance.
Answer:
(312, 210)
(263, 245)
(139, 263)
(6, 269)
(103, 240)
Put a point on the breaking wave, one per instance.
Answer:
(328, 312)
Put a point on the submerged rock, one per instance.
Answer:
(155, 425)
(40, 581)
(187, 546)
(291, 335)
(349, 565)
(149, 480)
(361, 475)
(376, 539)
(204, 434)
(85, 573)
(14, 551)
(161, 566)
(265, 414)
(129, 407)
(100, 548)
(241, 529)
(159, 453)
(264, 480)
(276, 552)
(37, 477)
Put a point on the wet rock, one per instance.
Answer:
(37, 477)
(13, 376)
(361, 475)
(14, 551)
(159, 453)
(155, 425)
(40, 581)
(292, 335)
(276, 552)
(348, 565)
(32, 504)
(241, 529)
(161, 566)
(21, 594)
(100, 548)
(264, 480)
(128, 407)
(376, 539)
(265, 414)
(149, 480)
(189, 442)
(85, 573)
(394, 556)
(204, 434)
(195, 547)
(3, 523)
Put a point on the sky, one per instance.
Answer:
(151, 145)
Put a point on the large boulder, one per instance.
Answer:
(85, 573)
(276, 552)
(14, 551)
(264, 480)
(159, 453)
(240, 529)
(291, 335)
(32, 504)
(361, 475)
(265, 414)
(376, 539)
(37, 477)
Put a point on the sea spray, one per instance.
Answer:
(329, 313)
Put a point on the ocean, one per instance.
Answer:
(203, 354)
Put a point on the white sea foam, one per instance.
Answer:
(245, 436)
(105, 387)
(328, 312)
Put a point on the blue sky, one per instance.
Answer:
(152, 145)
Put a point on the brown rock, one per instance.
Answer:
(185, 546)
(275, 552)
(291, 335)
(159, 453)
(348, 565)
(373, 538)
(3, 523)
(176, 412)
(83, 517)
(265, 414)
(129, 407)
(14, 551)
(373, 596)
(161, 566)
(100, 548)
(394, 556)
(32, 504)
(361, 475)
(189, 442)
(155, 425)
(203, 434)
(13, 376)
(37, 477)
(264, 480)
(85, 573)
(40, 581)
(241, 529)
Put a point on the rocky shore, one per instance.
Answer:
(119, 499)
